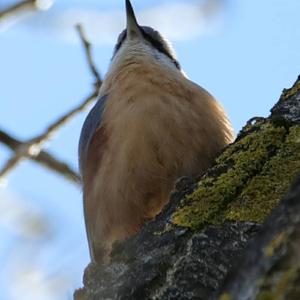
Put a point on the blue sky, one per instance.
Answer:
(245, 59)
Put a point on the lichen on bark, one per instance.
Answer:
(249, 179)
(191, 247)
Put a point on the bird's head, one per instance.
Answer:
(144, 40)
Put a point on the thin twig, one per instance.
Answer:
(64, 119)
(33, 147)
(21, 8)
(88, 52)
(45, 159)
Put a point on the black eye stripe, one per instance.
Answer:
(155, 42)
(160, 47)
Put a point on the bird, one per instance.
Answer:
(149, 126)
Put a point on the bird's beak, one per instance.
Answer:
(133, 28)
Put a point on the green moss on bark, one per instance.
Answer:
(281, 286)
(265, 190)
(294, 90)
(256, 171)
(225, 296)
(275, 244)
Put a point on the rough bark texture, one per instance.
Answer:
(192, 247)
(270, 267)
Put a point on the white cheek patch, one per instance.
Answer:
(133, 49)
(161, 57)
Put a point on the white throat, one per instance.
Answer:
(135, 51)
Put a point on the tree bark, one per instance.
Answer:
(198, 247)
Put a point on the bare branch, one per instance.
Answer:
(32, 148)
(18, 8)
(45, 159)
(24, 7)
(12, 163)
(9, 141)
(63, 120)
(88, 51)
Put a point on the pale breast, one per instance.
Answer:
(164, 125)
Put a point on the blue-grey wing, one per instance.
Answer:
(90, 125)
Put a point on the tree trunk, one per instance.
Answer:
(199, 247)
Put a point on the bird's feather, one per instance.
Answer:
(92, 140)
(91, 124)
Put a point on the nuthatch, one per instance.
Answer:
(150, 126)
